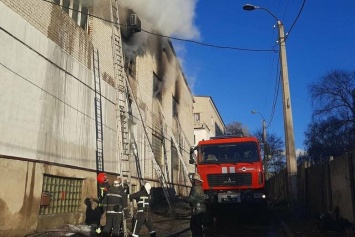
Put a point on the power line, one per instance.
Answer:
(59, 68)
(170, 37)
(294, 22)
(277, 87)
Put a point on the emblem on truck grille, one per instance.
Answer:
(229, 181)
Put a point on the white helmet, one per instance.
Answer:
(197, 177)
(148, 187)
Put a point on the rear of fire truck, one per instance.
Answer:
(232, 172)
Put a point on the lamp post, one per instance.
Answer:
(266, 151)
(287, 110)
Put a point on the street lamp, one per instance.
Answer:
(266, 152)
(287, 109)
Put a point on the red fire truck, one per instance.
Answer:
(232, 171)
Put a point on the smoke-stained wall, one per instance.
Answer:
(158, 83)
(48, 113)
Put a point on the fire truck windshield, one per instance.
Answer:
(229, 152)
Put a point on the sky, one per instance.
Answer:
(239, 81)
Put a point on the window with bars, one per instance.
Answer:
(76, 10)
(60, 195)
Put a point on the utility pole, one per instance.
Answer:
(287, 112)
(266, 151)
(288, 123)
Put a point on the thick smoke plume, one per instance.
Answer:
(165, 17)
(170, 17)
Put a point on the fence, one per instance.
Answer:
(326, 187)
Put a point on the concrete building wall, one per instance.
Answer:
(21, 196)
(210, 119)
(327, 187)
(155, 62)
(342, 185)
(48, 120)
(42, 99)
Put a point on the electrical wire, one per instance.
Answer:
(170, 37)
(277, 88)
(294, 22)
(58, 67)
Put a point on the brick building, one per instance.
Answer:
(48, 142)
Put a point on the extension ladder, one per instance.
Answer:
(123, 148)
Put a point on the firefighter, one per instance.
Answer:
(114, 204)
(197, 202)
(103, 185)
(102, 180)
(143, 199)
(125, 185)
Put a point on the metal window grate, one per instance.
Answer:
(60, 195)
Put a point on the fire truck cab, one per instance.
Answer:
(231, 169)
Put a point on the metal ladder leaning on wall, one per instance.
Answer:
(122, 90)
(175, 144)
(123, 149)
(98, 115)
(151, 156)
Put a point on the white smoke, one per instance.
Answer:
(170, 17)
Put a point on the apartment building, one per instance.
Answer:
(207, 120)
(60, 121)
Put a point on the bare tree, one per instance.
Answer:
(276, 159)
(332, 96)
(236, 128)
(332, 130)
(327, 138)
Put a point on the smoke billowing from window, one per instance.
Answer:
(170, 17)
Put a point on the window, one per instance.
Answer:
(175, 107)
(157, 87)
(235, 152)
(131, 68)
(174, 156)
(60, 195)
(76, 10)
(197, 117)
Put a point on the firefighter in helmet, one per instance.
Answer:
(114, 204)
(143, 199)
(103, 186)
(102, 181)
(197, 202)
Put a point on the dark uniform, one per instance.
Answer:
(143, 211)
(197, 201)
(114, 203)
(103, 186)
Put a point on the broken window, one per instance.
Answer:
(157, 87)
(175, 107)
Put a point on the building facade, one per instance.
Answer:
(49, 117)
(207, 120)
